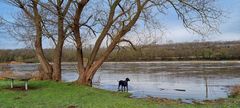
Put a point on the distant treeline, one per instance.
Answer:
(181, 51)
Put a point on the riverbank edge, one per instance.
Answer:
(123, 96)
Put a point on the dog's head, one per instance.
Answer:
(127, 79)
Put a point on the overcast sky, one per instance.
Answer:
(230, 29)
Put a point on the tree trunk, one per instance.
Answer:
(76, 31)
(83, 74)
(45, 72)
(83, 79)
(86, 77)
(45, 69)
(61, 13)
(57, 64)
(58, 50)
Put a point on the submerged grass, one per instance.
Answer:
(48, 94)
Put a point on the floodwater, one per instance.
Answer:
(185, 80)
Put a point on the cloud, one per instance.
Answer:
(180, 34)
(175, 31)
(230, 29)
(7, 42)
(229, 36)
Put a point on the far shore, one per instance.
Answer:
(153, 61)
(12, 62)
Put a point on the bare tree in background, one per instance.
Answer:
(45, 20)
(61, 10)
(31, 10)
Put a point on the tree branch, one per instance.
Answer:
(128, 41)
(103, 33)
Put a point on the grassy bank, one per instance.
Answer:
(47, 94)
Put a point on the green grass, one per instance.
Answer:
(48, 94)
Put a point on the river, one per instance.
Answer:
(185, 80)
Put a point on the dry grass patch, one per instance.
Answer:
(235, 90)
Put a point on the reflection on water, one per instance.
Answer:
(174, 80)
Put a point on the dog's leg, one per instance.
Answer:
(127, 88)
(122, 88)
(118, 87)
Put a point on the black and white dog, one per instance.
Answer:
(123, 84)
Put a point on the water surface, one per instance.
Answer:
(174, 80)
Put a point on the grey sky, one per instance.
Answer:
(230, 29)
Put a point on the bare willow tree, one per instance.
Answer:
(46, 19)
(78, 39)
(31, 11)
(60, 9)
(117, 18)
